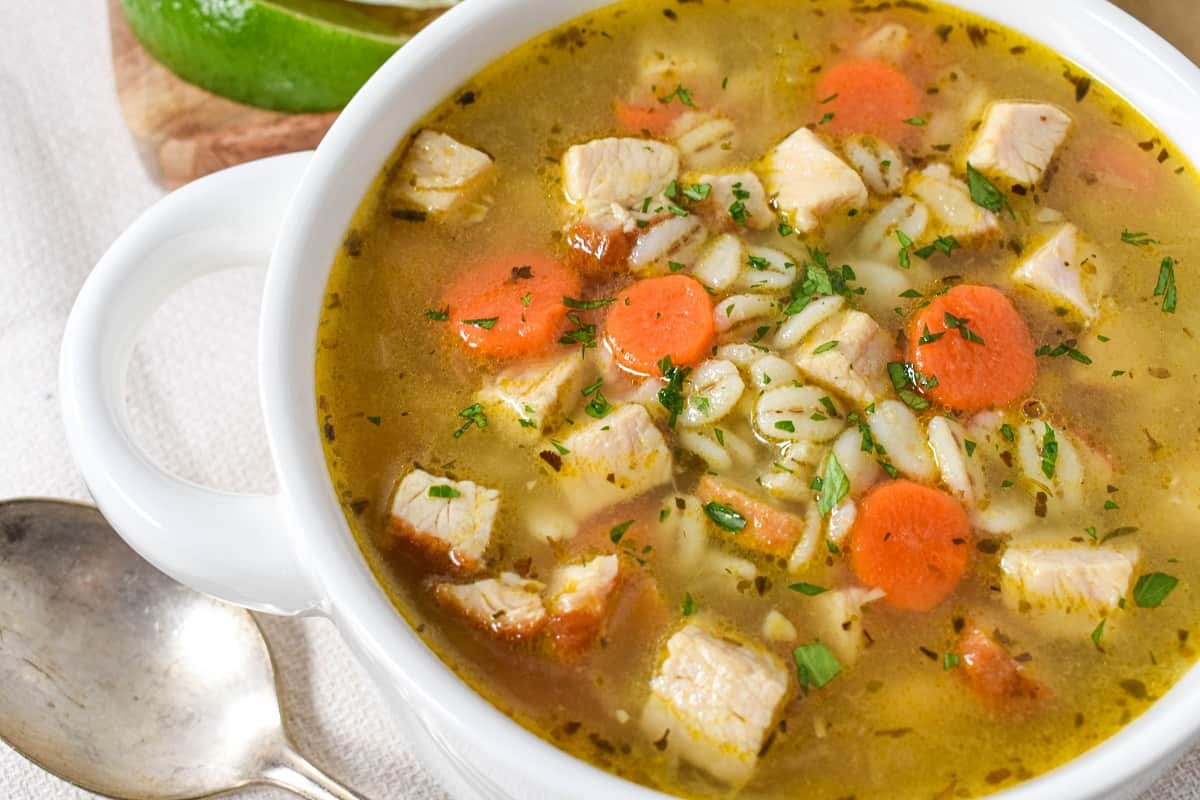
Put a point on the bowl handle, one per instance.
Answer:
(232, 546)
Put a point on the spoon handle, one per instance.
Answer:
(295, 773)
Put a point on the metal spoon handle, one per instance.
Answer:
(296, 774)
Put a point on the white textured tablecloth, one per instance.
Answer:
(69, 183)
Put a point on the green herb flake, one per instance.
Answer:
(588, 305)
(951, 660)
(969, 446)
(1152, 589)
(725, 517)
(1006, 431)
(808, 589)
(816, 664)
(1110, 505)
(786, 425)
(475, 416)
(1137, 239)
(834, 486)
(1091, 532)
(442, 315)
(985, 194)
(1049, 451)
(376, 421)
(444, 491)
(486, 324)
(671, 395)
(618, 531)
(825, 348)
(1165, 288)
(720, 434)
(689, 605)
(683, 95)
(1098, 633)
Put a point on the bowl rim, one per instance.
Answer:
(1110, 45)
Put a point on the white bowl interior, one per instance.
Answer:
(1101, 39)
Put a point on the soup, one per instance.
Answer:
(780, 399)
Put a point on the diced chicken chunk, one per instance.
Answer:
(806, 180)
(509, 607)
(768, 529)
(1018, 140)
(440, 175)
(449, 521)
(530, 398)
(713, 702)
(614, 459)
(737, 198)
(704, 139)
(839, 613)
(578, 600)
(1076, 579)
(622, 171)
(1055, 269)
(949, 200)
(857, 367)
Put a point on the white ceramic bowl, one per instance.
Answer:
(293, 552)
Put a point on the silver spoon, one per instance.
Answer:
(119, 680)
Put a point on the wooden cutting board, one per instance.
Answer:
(183, 132)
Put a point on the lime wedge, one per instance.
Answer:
(284, 55)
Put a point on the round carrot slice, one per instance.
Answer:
(512, 308)
(659, 317)
(912, 542)
(867, 97)
(974, 341)
(650, 118)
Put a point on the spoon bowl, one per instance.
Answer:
(125, 683)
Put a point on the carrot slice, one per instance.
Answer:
(911, 541)
(995, 677)
(651, 118)
(512, 308)
(974, 341)
(867, 97)
(768, 529)
(659, 317)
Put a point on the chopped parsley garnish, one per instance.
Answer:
(1064, 349)
(820, 281)
(486, 324)
(475, 416)
(618, 531)
(826, 117)
(960, 324)
(985, 194)
(1098, 633)
(1138, 239)
(829, 99)
(868, 442)
(1006, 431)
(689, 605)
(682, 94)
(930, 338)
(599, 406)
(442, 315)
(1049, 451)
(1151, 590)
(911, 294)
(725, 517)
(444, 491)
(834, 486)
(583, 334)
(825, 348)
(738, 210)
(917, 121)
(758, 262)
(376, 421)
(908, 381)
(808, 589)
(1091, 532)
(786, 425)
(675, 266)
(698, 191)
(951, 660)
(942, 244)
(817, 666)
(526, 299)
(1165, 287)
(587, 305)
(720, 434)
(562, 451)
(785, 230)
(671, 395)
(1110, 505)
(969, 446)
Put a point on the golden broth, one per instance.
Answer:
(897, 724)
